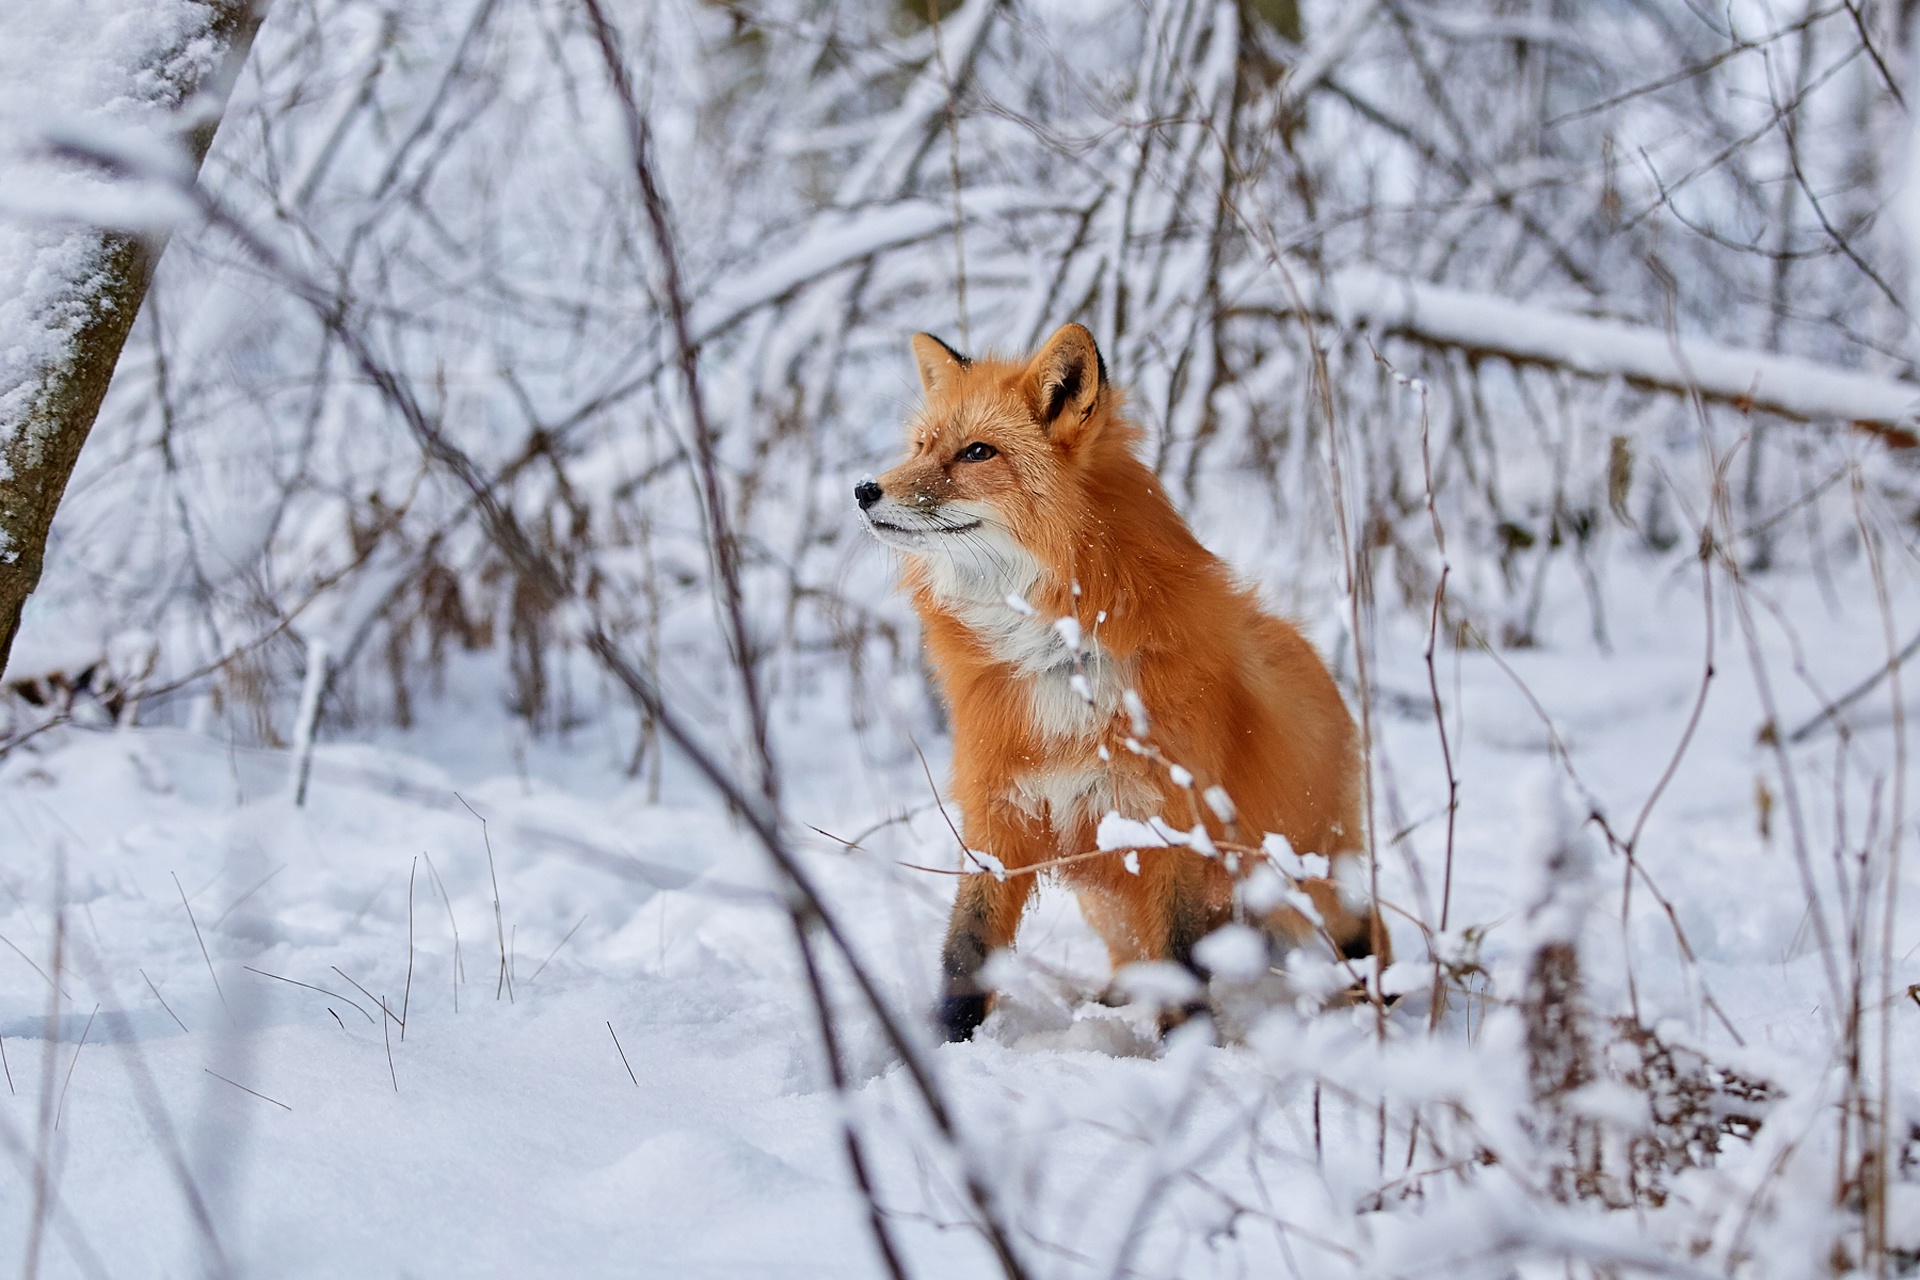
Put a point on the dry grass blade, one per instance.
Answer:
(235, 904)
(504, 983)
(331, 995)
(242, 1088)
(163, 1000)
(623, 1055)
(44, 976)
(459, 967)
(203, 944)
(556, 949)
(406, 996)
(378, 1002)
(386, 1037)
(74, 1061)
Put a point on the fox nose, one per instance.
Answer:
(866, 493)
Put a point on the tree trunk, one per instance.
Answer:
(39, 445)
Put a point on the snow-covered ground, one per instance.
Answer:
(643, 1093)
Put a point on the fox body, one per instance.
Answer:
(1021, 504)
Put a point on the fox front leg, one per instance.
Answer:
(1355, 935)
(1183, 898)
(986, 914)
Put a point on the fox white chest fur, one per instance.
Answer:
(985, 578)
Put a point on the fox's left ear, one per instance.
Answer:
(936, 361)
(1066, 379)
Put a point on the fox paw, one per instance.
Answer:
(1179, 1015)
(961, 1015)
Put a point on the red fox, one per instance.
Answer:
(1096, 658)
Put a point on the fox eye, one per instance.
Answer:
(978, 451)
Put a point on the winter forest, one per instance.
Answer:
(473, 796)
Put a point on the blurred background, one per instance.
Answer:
(1206, 185)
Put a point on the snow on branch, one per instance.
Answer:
(904, 137)
(835, 243)
(1486, 324)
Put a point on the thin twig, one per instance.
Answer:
(1438, 1003)
(1832, 710)
(28, 735)
(837, 1073)
(722, 546)
(1876, 1162)
(941, 804)
(248, 894)
(721, 539)
(953, 156)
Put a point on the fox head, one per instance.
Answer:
(995, 482)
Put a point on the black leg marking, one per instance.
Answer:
(1358, 944)
(1188, 922)
(971, 938)
(961, 1015)
(1179, 1016)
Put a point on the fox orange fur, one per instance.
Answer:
(1021, 502)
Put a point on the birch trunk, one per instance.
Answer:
(40, 443)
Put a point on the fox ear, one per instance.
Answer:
(1067, 378)
(936, 361)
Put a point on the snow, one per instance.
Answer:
(506, 1137)
(1233, 952)
(1117, 832)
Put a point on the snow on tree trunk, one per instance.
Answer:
(71, 293)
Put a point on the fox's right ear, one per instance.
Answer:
(1067, 378)
(936, 361)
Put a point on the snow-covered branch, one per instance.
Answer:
(1484, 324)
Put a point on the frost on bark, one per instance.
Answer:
(41, 439)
